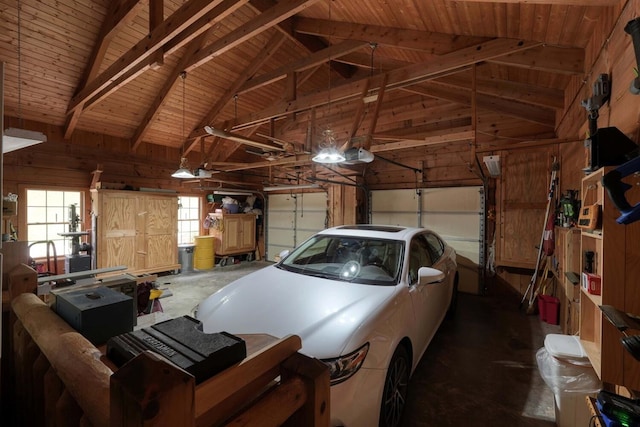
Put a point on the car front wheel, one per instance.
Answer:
(394, 395)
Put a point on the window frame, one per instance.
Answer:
(199, 210)
(85, 219)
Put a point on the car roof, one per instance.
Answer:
(394, 232)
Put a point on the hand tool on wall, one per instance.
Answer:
(633, 29)
(530, 291)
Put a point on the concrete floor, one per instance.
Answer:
(480, 369)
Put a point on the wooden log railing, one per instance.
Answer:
(61, 379)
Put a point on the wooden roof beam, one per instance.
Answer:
(119, 14)
(203, 24)
(307, 42)
(397, 79)
(303, 64)
(554, 2)
(267, 52)
(161, 96)
(186, 15)
(512, 108)
(554, 59)
(269, 18)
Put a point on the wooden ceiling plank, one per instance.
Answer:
(161, 96)
(563, 60)
(265, 54)
(311, 61)
(186, 15)
(266, 20)
(423, 41)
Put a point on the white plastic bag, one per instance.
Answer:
(565, 377)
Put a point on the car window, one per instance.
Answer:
(347, 258)
(436, 246)
(419, 256)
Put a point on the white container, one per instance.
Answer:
(566, 369)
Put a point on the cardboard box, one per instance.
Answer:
(591, 283)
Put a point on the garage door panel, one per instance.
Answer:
(293, 218)
(455, 213)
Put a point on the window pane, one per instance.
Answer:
(55, 198)
(188, 219)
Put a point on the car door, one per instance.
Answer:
(430, 301)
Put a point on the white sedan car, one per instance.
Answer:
(365, 299)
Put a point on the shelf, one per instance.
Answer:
(596, 234)
(596, 299)
(593, 353)
(593, 410)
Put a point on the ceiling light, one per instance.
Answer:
(202, 173)
(328, 155)
(493, 165)
(14, 139)
(290, 187)
(183, 171)
(328, 152)
(232, 192)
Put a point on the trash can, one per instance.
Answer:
(565, 368)
(185, 257)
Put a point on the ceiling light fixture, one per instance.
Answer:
(15, 138)
(493, 165)
(183, 171)
(290, 187)
(232, 192)
(328, 152)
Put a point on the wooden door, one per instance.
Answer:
(248, 235)
(158, 244)
(116, 222)
(232, 240)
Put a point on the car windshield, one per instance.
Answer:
(351, 259)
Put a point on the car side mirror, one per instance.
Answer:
(282, 255)
(428, 275)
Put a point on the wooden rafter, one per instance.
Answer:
(269, 18)
(397, 79)
(267, 52)
(186, 15)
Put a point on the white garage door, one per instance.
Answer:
(455, 213)
(292, 218)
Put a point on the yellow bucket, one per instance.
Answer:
(204, 254)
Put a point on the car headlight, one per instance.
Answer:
(343, 367)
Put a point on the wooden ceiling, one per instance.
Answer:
(388, 75)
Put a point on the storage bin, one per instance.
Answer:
(565, 368)
(204, 256)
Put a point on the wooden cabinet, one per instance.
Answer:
(136, 229)
(616, 259)
(234, 233)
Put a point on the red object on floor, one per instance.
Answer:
(549, 308)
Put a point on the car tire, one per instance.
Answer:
(453, 304)
(396, 387)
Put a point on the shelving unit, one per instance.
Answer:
(568, 261)
(616, 257)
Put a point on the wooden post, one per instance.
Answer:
(315, 375)
(150, 391)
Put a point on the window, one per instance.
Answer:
(48, 216)
(419, 256)
(188, 219)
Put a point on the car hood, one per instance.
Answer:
(326, 314)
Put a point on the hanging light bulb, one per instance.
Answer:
(328, 152)
(183, 171)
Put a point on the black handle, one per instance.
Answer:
(633, 29)
(612, 182)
